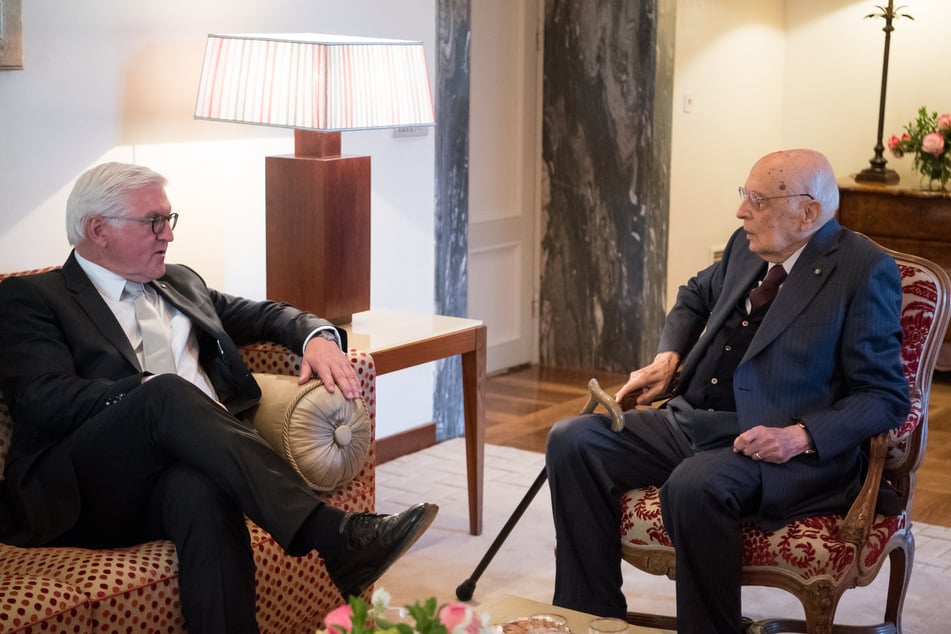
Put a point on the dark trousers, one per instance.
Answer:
(704, 496)
(167, 462)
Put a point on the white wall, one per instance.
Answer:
(116, 80)
(729, 61)
(771, 74)
(834, 71)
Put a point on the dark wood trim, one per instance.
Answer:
(405, 442)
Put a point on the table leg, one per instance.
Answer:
(473, 394)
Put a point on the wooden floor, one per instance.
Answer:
(521, 405)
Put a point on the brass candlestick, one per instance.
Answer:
(877, 172)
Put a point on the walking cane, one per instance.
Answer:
(465, 590)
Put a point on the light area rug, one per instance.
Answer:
(447, 554)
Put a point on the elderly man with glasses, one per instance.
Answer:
(788, 353)
(126, 389)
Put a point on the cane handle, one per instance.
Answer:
(599, 397)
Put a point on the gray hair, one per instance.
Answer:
(821, 182)
(102, 190)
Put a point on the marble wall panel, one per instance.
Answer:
(606, 145)
(452, 199)
(604, 217)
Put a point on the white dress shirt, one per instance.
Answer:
(183, 340)
(788, 264)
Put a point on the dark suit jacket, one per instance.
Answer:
(64, 358)
(827, 352)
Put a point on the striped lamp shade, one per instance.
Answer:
(314, 81)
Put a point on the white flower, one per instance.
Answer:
(380, 601)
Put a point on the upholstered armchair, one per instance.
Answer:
(818, 558)
(136, 589)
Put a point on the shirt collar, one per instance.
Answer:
(790, 262)
(108, 284)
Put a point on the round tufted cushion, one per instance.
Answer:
(325, 437)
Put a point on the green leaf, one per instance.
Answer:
(425, 616)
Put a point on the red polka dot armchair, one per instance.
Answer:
(136, 589)
(818, 558)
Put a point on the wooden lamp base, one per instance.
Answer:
(318, 227)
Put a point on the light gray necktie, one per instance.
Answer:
(156, 345)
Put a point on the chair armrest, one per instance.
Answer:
(289, 410)
(323, 435)
(858, 521)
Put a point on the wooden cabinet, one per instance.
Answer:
(904, 219)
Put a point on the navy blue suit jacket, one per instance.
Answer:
(827, 353)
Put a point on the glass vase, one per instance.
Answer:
(930, 184)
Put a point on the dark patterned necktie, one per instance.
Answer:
(766, 292)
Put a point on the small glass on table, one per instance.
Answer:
(606, 625)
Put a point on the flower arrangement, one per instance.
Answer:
(928, 139)
(358, 617)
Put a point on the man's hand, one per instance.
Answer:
(772, 444)
(323, 359)
(651, 382)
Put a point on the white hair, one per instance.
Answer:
(102, 190)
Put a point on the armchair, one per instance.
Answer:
(818, 558)
(135, 589)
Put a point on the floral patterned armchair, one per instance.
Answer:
(818, 558)
(135, 589)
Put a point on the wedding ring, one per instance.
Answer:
(756, 456)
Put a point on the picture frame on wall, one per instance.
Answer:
(11, 35)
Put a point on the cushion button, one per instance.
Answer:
(342, 435)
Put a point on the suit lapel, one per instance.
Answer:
(743, 270)
(91, 302)
(812, 269)
(739, 279)
(188, 307)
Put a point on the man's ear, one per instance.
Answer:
(811, 213)
(95, 227)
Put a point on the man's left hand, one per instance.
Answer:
(323, 359)
(772, 444)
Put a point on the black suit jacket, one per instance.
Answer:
(64, 358)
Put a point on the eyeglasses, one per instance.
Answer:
(759, 201)
(157, 221)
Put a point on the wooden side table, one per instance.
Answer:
(904, 219)
(399, 339)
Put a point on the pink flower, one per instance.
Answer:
(933, 144)
(895, 144)
(339, 620)
(944, 122)
(459, 619)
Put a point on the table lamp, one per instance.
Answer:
(317, 202)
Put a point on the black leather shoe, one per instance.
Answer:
(373, 542)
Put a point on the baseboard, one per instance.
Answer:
(405, 442)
